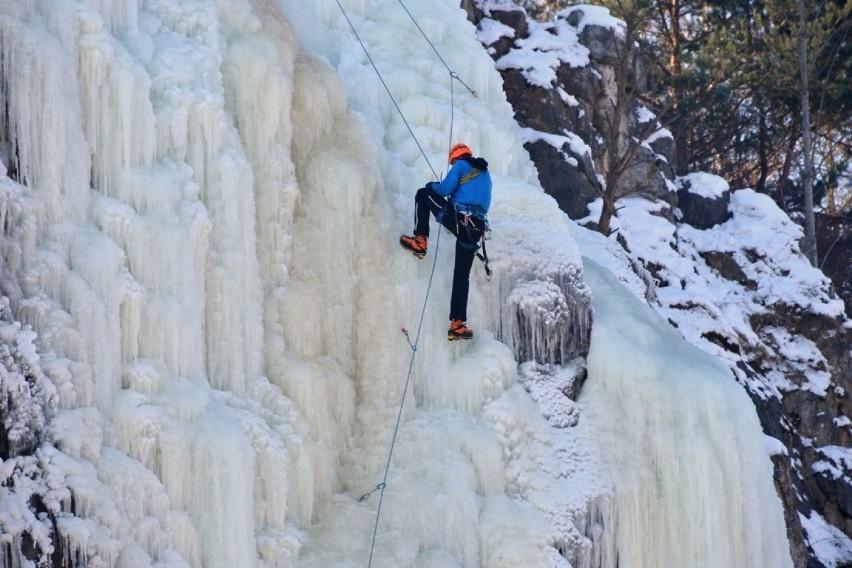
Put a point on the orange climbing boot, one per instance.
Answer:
(416, 244)
(458, 330)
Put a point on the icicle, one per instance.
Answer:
(122, 16)
(222, 499)
(50, 153)
(327, 400)
(296, 496)
(119, 115)
(537, 301)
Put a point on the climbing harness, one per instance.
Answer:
(453, 77)
(470, 215)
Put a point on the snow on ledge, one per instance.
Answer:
(704, 184)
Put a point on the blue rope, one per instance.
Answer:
(381, 486)
(376, 69)
(453, 75)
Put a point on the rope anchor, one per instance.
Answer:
(454, 75)
(408, 339)
(367, 495)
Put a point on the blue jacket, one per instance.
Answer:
(475, 193)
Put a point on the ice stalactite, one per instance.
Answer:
(322, 305)
(192, 126)
(118, 114)
(37, 105)
(538, 304)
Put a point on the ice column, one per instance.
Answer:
(192, 126)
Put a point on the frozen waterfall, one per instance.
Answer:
(200, 213)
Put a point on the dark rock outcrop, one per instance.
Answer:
(573, 187)
(581, 102)
(702, 211)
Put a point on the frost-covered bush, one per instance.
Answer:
(27, 397)
(28, 402)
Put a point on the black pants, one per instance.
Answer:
(467, 231)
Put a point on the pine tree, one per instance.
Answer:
(731, 69)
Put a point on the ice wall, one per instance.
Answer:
(200, 223)
(681, 441)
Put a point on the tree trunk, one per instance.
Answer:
(676, 90)
(809, 243)
(762, 151)
(606, 216)
(616, 153)
(789, 158)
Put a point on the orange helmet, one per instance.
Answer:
(459, 151)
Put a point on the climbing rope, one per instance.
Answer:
(381, 486)
(453, 76)
(385, 85)
(452, 73)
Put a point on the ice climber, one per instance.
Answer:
(459, 203)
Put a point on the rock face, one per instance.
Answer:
(566, 121)
(811, 424)
(580, 101)
(566, 173)
(700, 211)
